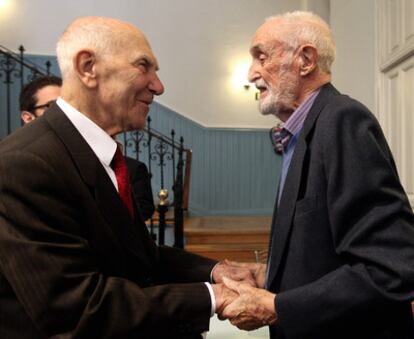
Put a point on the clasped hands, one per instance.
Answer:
(240, 296)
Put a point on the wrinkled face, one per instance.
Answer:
(127, 83)
(273, 72)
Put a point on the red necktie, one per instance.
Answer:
(119, 166)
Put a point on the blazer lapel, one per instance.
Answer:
(283, 221)
(101, 187)
(131, 233)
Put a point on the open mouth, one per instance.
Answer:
(262, 91)
(262, 88)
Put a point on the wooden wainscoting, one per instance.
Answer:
(234, 238)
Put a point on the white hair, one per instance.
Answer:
(307, 27)
(93, 33)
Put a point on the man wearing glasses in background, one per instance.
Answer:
(37, 96)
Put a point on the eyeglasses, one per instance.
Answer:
(44, 106)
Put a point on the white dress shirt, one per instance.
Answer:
(101, 143)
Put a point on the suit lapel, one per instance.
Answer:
(130, 234)
(283, 221)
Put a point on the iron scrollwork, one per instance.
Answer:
(12, 67)
(162, 151)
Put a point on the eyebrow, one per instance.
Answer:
(257, 48)
(148, 61)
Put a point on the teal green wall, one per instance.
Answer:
(234, 171)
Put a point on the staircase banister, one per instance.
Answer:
(26, 63)
(158, 135)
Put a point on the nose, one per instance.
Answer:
(253, 75)
(156, 87)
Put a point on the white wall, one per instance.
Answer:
(353, 24)
(198, 42)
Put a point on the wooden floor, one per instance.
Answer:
(234, 238)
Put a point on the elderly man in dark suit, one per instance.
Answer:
(341, 256)
(76, 260)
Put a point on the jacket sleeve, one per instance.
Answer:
(182, 266)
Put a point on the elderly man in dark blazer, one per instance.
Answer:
(341, 256)
(76, 260)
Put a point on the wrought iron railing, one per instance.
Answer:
(174, 163)
(14, 69)
(168, 161)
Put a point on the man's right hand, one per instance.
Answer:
(224, 296)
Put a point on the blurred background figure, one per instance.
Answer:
(37, 96)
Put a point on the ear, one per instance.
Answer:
(308, 59)
(27, 116)
(85, 66)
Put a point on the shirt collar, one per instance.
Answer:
(101, 143)
(295, 122)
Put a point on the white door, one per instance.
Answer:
(395, 95)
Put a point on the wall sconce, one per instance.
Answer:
(239, 78)
(256, 93)
(3, 4)
(7, 7)
(239, 75)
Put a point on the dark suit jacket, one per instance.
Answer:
(342, 257)
(72, 262)
(141, 186)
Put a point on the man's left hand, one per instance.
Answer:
(237, 273)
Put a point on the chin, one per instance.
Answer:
(138, 120)
(141, 124)
(262, 112)
(266, 108)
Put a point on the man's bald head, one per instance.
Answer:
(109, 72)
(103, 35)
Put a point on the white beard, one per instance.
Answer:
(278, 99)
(281, 97)
(269, 104)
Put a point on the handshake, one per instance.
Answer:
(240, 296)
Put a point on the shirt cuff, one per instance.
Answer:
(213, 299)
